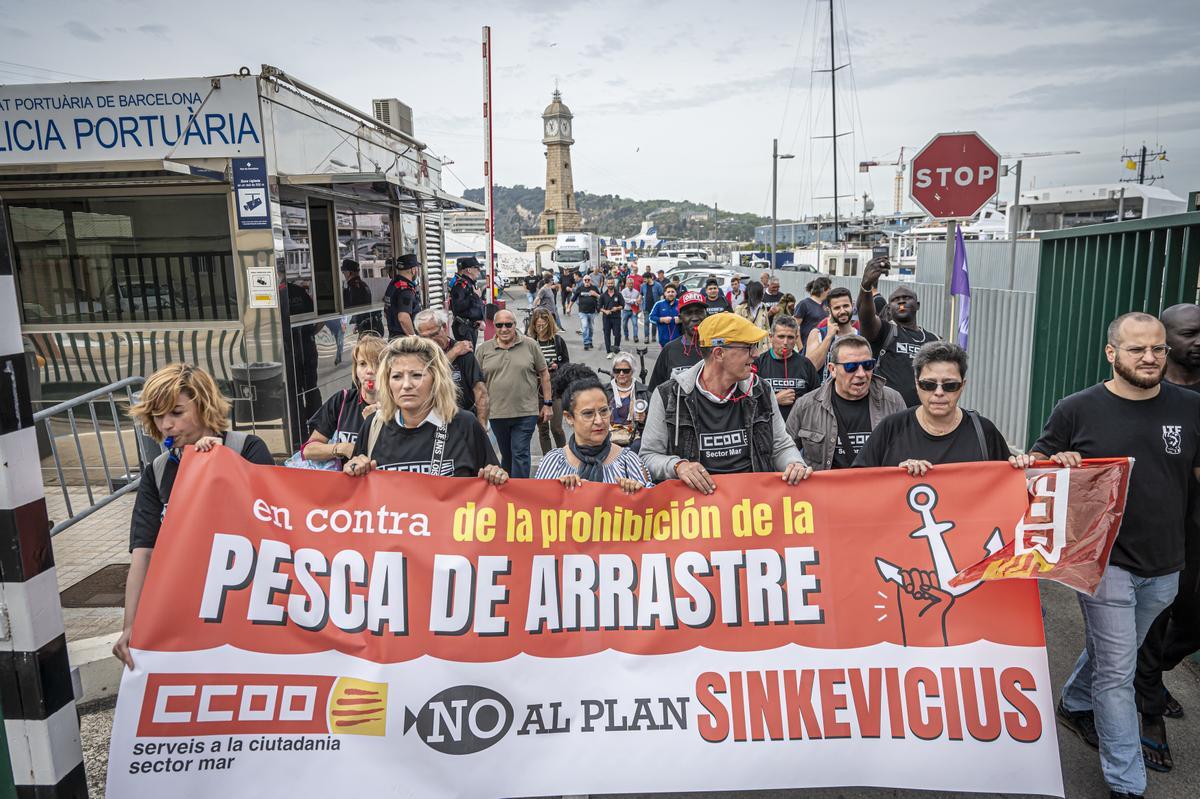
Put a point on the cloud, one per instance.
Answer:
(393, 44)
(607, 46)
(81, 31)
(1153, 85)
(152, 30)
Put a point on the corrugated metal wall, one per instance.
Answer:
(1002, 323)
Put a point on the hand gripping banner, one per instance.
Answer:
(303, 632)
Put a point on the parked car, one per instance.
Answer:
(693, 278)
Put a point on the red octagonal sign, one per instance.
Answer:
(954, 175)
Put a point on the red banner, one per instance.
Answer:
(531, 630)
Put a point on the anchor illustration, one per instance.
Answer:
(923, 499)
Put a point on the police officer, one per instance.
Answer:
(465, 302)
(402, 300)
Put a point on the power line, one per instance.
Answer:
(44, 69)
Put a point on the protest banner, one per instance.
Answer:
(1069, 531)
(308, 634)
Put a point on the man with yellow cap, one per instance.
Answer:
(717, 417)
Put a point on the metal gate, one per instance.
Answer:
(1088, 276)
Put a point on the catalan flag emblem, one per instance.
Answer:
(358, 707)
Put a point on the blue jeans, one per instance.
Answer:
(1115, 621)
(514, 436)
(649, 325)
(626, 316)
(589, 321)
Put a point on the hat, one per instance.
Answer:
(350, 265)
(691, 298)
(722, 329)
(468, 262)
(407, 261)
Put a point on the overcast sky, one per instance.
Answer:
(679, 99)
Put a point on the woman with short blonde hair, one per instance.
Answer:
(180, 405)
(419, 426)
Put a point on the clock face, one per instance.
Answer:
(566, 127)
(551, 127)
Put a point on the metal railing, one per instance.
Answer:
(61, 422)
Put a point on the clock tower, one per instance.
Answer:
(560, 215)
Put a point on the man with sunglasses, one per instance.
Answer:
(681, 354)
(718, 417)
(937, 430)
(894, 342)
(831, 424)
(518, 385)
(1134, 414)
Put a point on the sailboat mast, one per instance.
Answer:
(833, 97)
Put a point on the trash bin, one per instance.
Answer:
(261, 385)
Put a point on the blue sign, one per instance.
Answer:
(250, 191)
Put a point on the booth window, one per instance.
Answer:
(364, 237)
(124, 259)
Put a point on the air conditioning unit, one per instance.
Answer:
(395, 113)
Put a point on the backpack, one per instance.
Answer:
(234, 439)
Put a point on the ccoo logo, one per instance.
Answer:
(461, 720)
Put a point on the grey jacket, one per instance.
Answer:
(813, 425)
(657, 450)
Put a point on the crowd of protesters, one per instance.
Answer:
(749, 380)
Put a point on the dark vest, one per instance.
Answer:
(683, 441)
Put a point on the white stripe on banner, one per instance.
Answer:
(43, 752)
(10, 323)
(34, 614)
(20, 478)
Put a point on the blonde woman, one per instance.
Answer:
(180, 405)
(335, 426)
(419, 427)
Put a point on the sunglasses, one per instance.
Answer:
(505, 324)
(622, 371)
(853, 366)
(949, 386)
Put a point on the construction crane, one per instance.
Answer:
(898, 191)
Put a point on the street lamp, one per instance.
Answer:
(775, 156)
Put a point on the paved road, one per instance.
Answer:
(1080, 765)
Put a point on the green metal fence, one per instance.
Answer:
(1089, 275)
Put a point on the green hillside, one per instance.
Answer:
(517, 209)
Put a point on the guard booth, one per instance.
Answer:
(205, 220)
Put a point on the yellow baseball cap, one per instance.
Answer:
(722, 329)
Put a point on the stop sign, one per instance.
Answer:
(954, 175)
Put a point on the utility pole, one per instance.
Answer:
(1014, 225)
(1143, 155)
(775, 156)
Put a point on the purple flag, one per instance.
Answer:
(960, 286)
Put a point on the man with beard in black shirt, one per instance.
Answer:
(896, 341)
(1134, 414)
(1175, 634)
(680, 354)
(789, 374)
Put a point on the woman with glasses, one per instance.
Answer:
(419, 426)
(629, 400)
(544, 331)
(937, 430)
(590, 454)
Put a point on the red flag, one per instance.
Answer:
(1068, 529)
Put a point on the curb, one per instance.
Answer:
(96, 673)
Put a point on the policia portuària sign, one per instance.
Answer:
(437, 637)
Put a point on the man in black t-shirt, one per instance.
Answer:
(1134, 414)
(611, 305)
(897, 340)
(1175, 634)
(587, 298)
(680, 354)
(434, 324)
(832, 424)
(788, 373)
(714, 298)
(937, 430)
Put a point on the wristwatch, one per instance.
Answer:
(548, 403)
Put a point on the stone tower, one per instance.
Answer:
(560, 215)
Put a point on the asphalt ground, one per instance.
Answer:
(1064, 640)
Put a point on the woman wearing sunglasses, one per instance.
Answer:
(629, 399)
(937, 430)
(590, 454)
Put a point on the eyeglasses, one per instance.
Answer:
(503, 325)
(622, 371)
(949, 386)
(853, 366)
(590, 414)
(1160, 351)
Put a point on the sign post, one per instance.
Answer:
(953, 176)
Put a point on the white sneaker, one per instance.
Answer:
(609, 356)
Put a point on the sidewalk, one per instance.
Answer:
(84, 548)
